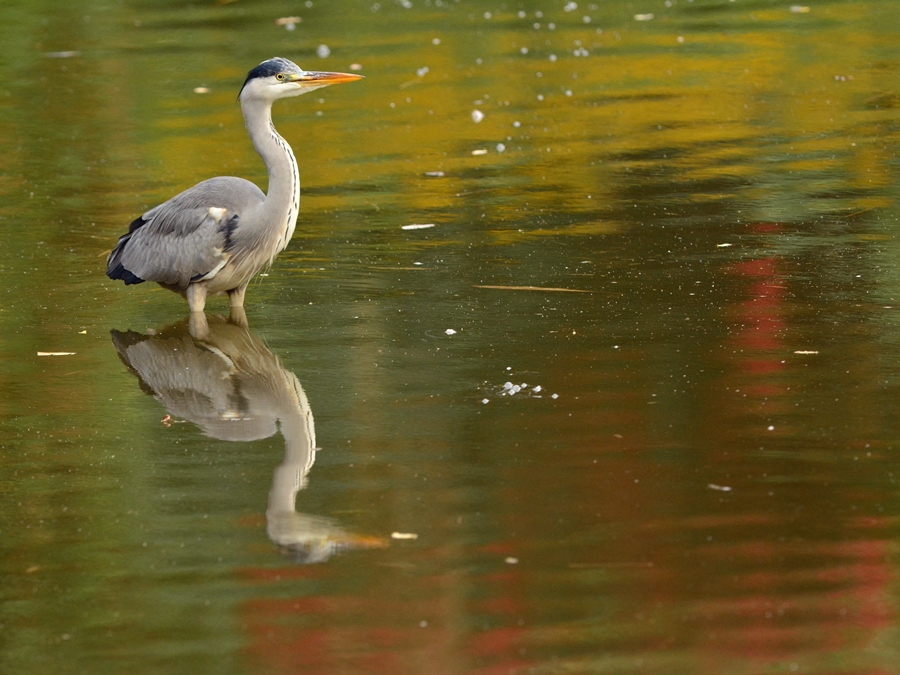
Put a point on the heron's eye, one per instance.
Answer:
(280, 77)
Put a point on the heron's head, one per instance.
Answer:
(279, 78)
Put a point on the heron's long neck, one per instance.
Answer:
(283, 198)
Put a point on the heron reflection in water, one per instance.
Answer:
(235, 389)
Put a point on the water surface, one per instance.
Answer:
(634, 391)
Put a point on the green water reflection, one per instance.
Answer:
(704, 481)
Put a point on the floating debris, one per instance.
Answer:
(511, 561)
(477, 116)
(55, 353)
(417, 226)
(805, 351)
(720, 488)
(450, 331)
(600, 565)
(643, 17)
(423, 71)
(355, 66)
(323, 51)
(434, 174)
(799, 9)
(201, 90)
(513, 389)
(723, 245)
(62, 55)
(532, 288)
(480, 151)
(404, 535)
(288, 22)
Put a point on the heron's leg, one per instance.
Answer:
(196, 297)
(236, 295)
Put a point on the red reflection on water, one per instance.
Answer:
(788, 597)
(423, 624)
(756, 351)
(319, 634)
(763, 326)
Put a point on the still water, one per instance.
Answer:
(628, 405)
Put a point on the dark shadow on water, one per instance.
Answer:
(216, 374)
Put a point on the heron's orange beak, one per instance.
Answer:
(315, 77)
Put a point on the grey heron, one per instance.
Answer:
(214, 237)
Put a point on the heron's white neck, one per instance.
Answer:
(279, 211)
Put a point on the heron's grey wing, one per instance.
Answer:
(186, 238)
